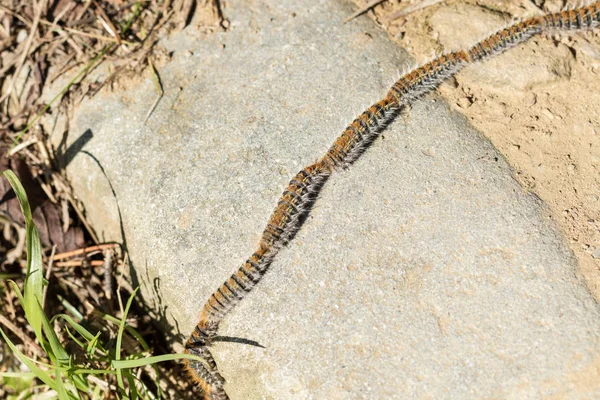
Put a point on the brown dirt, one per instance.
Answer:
(538, 103)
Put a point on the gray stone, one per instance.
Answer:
(424, 270)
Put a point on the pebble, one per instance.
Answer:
(464, 102)
(530, 99)
(21, 36)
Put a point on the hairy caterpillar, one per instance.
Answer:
(298, 197)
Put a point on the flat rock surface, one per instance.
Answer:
(424, 271)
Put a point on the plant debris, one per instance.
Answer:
(61, 43)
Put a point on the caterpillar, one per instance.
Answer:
(298, 197)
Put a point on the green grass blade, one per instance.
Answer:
(8, 275)
(39, 373)
(70, 308)
(73, 338)
(80, 371)
(94, 345)
(140, 362)
(49, 341)
(122, 324)
(31, 299)
(87, 335)
(18, 375)
(53, 348)
(18, 293)
(61, 390)
(21, 298)
(92, 342)
(129, 330)
(120, 338)
(32, 289)
(59, 353)
(133, 393)
(28, 393)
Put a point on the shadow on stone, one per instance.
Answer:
(234, 339)
(112, 190)
(172, 334)
(159, 320)
(76, 147)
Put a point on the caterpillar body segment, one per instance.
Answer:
(205, 374)
(580, 18)
(299, 195)
(286, 219)
(505, 39)
(361, 133)
(233, 290)
(283, 224)
(293, 205)
(427, 78)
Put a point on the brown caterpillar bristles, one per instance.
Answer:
(505, 39)
(298, 197)
(427, 77)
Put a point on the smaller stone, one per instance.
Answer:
(530, 99)
(464, 102)
(430, 152)
(548, 114)
(596, 254)
(21, 36)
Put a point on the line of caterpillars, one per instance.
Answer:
(298, 197)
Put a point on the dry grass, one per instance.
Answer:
(41, 42)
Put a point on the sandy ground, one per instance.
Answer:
(539, 104)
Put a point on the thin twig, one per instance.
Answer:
(34, 25)
(79, 263)
(45, 187)
(107, 23)
(79, 213)
(21, 146)
(65, 10)
(411, 9)
(363, 10)
(60, 71)
(22, 336)
(16, 15)
(157, 85)
(108, 274)
(86, 250)
(101, 383)
(65, 215)
(63, 91)
(86, 34)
